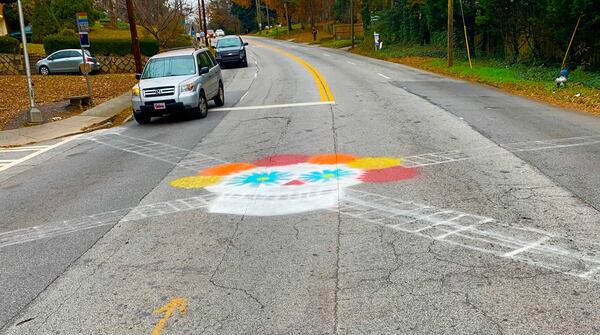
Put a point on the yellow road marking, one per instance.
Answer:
(324, 90)
(168, 310)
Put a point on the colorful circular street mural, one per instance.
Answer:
(290, 184)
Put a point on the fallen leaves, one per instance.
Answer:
(14, 97)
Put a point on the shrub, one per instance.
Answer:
(100, 47)
(66, 32)
(179, 41)
(9, 45)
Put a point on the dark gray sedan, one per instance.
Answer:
(66, 61)
(231, 49)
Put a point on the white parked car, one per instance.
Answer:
(219, 33)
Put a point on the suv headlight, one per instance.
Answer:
(187, 87)
(135, 91)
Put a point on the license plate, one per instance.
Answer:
(160, 105)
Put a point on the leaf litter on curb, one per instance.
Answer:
(14, 97)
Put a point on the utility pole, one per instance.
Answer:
(352, 22)
(200, 25)
(287, 19)
(268, 22)
(258, 16)
(135, 43)
(204, 24)
(450, 32)
(35, 115)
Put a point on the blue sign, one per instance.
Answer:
(84, 40)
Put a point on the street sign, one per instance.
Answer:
(83, 24)
(84, 40)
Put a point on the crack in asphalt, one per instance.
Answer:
(338, 230)
(468, 302)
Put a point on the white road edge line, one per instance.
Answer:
(384, 76)
(300, 104)
(30, 156)
(349, 62)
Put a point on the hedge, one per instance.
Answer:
(9, 45)
(100, 47)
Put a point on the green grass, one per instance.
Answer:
(278, 32)
(337, 44)
(498, 72)
(100, 31)
(38, 49)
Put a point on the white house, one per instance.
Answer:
(3, 29)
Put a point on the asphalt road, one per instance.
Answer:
(350, 196)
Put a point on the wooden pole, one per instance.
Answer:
(135, 43)
(352, 22)
(450, 32)
(562, 65)
(462, 13)
(204, 24)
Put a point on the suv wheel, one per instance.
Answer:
(141, 118)
(220, 98)
(44, 70)
(202, 106)
(245, 62)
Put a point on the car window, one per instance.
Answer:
(212, 58)
(169, 67)
(229, 42)
(60, 55)
(73, 54)
(203, 60)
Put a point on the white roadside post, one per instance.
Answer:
(35, 115)
(376, 40)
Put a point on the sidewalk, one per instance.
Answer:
(71, 126)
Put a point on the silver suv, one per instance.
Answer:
(177, 81)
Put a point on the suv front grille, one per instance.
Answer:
(159, 91)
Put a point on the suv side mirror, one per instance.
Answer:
(138, 76)
(245, 43)
(204, 70)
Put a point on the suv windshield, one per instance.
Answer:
(169, 67)
(229, 42)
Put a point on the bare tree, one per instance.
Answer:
(163, 19)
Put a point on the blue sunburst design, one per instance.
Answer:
(326, 175)
(260, 178)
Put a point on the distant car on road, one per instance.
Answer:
(66, 61)
(231, 49)
(219, 33)
(178, 81)
(210, 33)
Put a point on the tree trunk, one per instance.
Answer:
(112, 13)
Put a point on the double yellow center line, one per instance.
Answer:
(324, 90)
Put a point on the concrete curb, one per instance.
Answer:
(84, 122)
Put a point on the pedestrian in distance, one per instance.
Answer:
(314, 33)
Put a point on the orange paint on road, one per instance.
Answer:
(177, 304)
(332, 159)
(227, 169)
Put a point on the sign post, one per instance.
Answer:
(83, 26)
(35, 115)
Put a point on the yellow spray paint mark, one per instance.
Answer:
(324, 90)
(177, 304)
(195, 181)
(370, 163)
